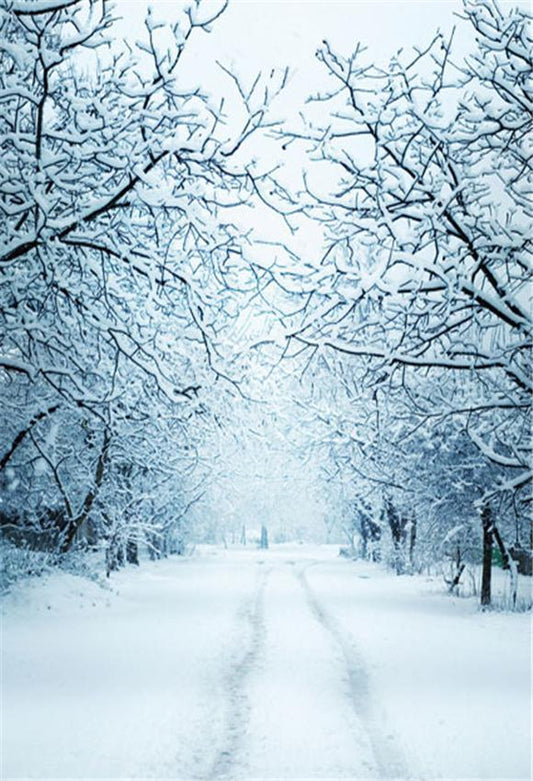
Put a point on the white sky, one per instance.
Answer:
(256, 34)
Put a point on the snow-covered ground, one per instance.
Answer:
(288, 663)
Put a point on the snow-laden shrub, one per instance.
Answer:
(19, 563)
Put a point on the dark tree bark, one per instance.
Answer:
(488, 528)
(19, 439)
(364, 540)
(397, 524)
(76, 522)
(132, 552)
(114, 555)
(501, 545)
(264, 538)
(457, 577)
(154, 546)
(370, 533)
(412, 542)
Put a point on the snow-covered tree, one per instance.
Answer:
(420, 180)
(120, 269)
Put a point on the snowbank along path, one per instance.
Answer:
(247, 665)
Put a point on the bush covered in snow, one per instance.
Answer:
(17, 563)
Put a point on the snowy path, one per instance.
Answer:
(300, 714)
(246, 665)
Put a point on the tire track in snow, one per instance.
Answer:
(238, 702)
(389, 758)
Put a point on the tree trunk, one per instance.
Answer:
(264, 538)
(457, 577)
(412, 543)
(22, 434)
(486, 521)
(397, 525)
(132, 552)
(501, 545)
(365, 533)
(114, 555)
(398, 557)
(75, 523)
